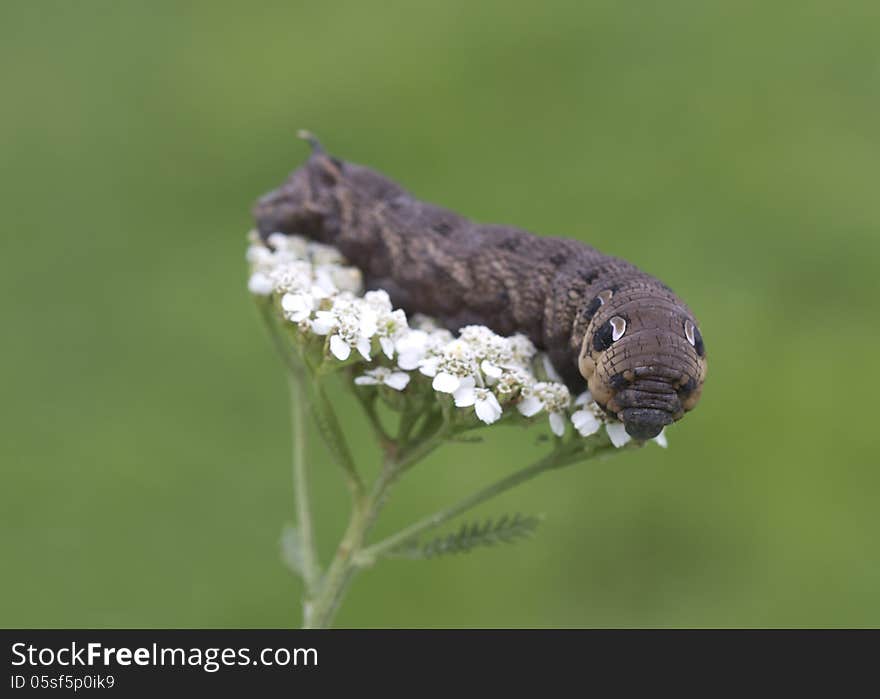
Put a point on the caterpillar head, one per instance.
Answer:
(306, 202)
(643, 357)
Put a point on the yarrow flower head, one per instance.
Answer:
(552, 397)
(349, 325)
(486, 405)
(313, 288)
(397, 380)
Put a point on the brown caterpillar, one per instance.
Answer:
(599, 318)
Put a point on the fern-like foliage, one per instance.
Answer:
(505, 530)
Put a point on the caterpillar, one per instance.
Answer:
(602, 322)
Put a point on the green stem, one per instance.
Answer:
(328, 424)
(311, 570)
(325, 593)
(322, 410)
(324, 605)
(369, 555)
(367, 399)
(343, 567)
(430, 437)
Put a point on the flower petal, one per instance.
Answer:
(260, 284)
(387, 346)
(467, 381)
(487, 408)
(363, 346)
(585, 422)
(584, 398)
(320, 292)
(408, 360)
(368, 321)
(297, 306)
(445, 383)
(489, 369)
(428, 366)
(617, 434)
(339, 348)
(323, 323)
(530, 406)
(366, 380)
(464, 396)
(277, 241)
(661, 438)
(397, 380)
(557, 424)
(550, 370)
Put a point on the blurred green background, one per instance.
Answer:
(730, 148)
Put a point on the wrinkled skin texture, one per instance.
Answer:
(599, 318)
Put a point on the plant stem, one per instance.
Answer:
(322, 410)
(369, 555)
(351, 555)
(335, 583)
(334, 438)
(342, 569)
(311, 569)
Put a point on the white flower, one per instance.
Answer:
(259, 256)
(491, 370)
(493, 352)
(260, 284)
(431, 352)
(277, 241)
(368, 322)
(464, 394)
(661, 438)
(352, 324)
(617, 434)
(347, 279)
(297, 307)
(530, 405)
(584, 398)
(323, 287)
(292, 276)
(455, 362)
(521, 349)
(549, 369)
(411, 347)
(397, 380)
(321, 254)
(513, 380)
(486, 406)
(323, 323)
(340, 348)
(446, 383)
(378, 299)
(390, 326)
(484, 401)
(428, 365)
(552, 397)
(585, 422)
(324, 296)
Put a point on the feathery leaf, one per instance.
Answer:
(505, 530)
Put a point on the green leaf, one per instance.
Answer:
(505, 530)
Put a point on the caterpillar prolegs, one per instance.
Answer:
(600, 319)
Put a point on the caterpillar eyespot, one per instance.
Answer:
(595, 316)
(689, 333)
(698, 343)
(603, 337)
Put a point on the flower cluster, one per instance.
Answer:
(323, 296)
